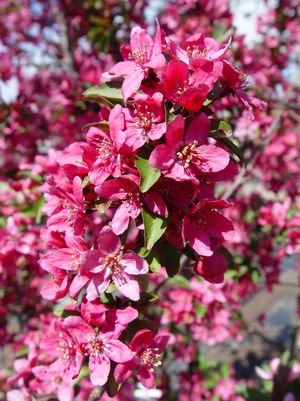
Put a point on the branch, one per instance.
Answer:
(66, 46)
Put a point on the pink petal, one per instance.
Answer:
(127, 286)
(162, 157)
(118, 352)
(198, 239)
(99, 369)
(132, 83)
(146, 377)
(120, 220)
(213, 158)
(123, 68)
(108, 241)
(198, 129)
(65, 392)
(155, 203)
(124, 371)
(134, 264)
(175, 131)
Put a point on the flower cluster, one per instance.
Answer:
(140, 187)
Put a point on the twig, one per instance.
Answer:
(66, 46)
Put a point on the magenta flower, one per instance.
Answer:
(212, 268)
(147, 120)
(66, 259)
(105, 150)
(147, 348)
(65, 351)
(127, 191)
(187, 158)
(142, 54)
(110, 263)
(100, 347)
(52, 382)
(116, 320)
(198, 47)
(65, 208)
(206, 229)
(237, 83)
(190, 91)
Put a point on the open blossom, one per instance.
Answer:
(105, 149)
(190, 91)
(126, 190)
(52, 382)
(188, 157)
(64, 263)
(100, 348)
(146, 120)
(110, 263)
(140, 56)
(147, 349)
(65, 351)
(197, 48)
(205, 229)
(65, 208)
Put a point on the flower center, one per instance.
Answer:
(75, 260)
(95, 345)
(112, 262)
(139, 57)
(150, 358)
(195, 52)
(64, 348)
(70, 210)
(182, 88)
(143, 119)
(187, 154)
(104, 151)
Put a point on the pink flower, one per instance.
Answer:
(205, 229)
(66, 259)
(64, 349)
(65, 208)
(100, 348)
(52, 382)
(147, 348)
(127, 191)
(212, 268)
(198, 48)
(140, 56)
(105, 150)
(147, 120)
(98, 314)
(109, 262)
(236, 81)
(190, 91)
(187, 157)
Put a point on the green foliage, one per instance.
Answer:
(154, 228)
(149, 175)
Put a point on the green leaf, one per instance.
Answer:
(154, 228)
(107, 94)
(170, 258)
(37, 209)
(149, 174)
(153, 262)
(220, 129)
(200, 310)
